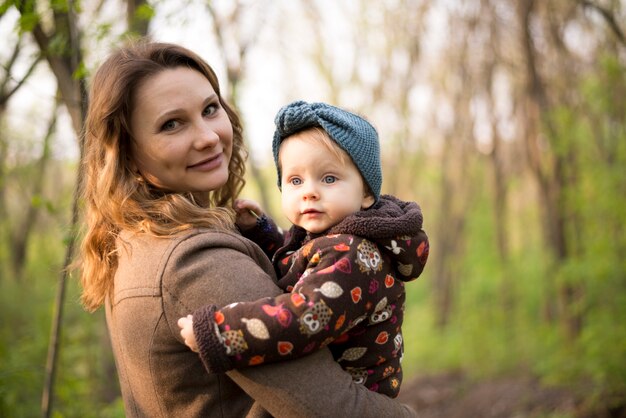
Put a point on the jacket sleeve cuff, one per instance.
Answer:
(212, 350)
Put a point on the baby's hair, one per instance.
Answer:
(320, 136)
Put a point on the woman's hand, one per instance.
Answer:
(186, 331)
(247, 213)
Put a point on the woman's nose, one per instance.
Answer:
(205, 136)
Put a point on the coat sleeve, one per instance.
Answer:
(206, 269)
(315, 386)
(266, 234)
(331, 296)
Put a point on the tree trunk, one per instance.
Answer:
(21, 234)
(137, 24)
(456, 191)
(6, 93)
(3, 169)
(449, 233)
(548, 168)
(65, 66)
(235, 71)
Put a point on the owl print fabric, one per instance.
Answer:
(344, 290)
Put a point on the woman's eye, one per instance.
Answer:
(209, 110)
(169, 125)
(296, 181)
(330, 179)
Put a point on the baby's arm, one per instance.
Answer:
(331, 297)
(248, 211)
(255, 225)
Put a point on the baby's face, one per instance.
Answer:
(318, 189)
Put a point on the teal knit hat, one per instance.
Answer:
(352, 133)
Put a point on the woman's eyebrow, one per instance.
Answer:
(172, 112)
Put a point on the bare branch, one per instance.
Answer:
(4, 97)
(9, 66)
(608, 16)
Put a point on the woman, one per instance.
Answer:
(164, 161)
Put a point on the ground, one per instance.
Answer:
(455, 396)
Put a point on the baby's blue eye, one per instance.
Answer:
(296, 181)
(330, 179)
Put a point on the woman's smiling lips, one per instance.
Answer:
(208, 164)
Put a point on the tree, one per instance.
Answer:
(17, 236)
(21, 231)
(61, 45)
(235, 39)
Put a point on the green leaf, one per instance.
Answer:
(144, 12)
(5, 6)
(36, 201)
(58, 44)
(81, 72)
(28, 21)
(62, 6)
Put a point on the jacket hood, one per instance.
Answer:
(396, 227)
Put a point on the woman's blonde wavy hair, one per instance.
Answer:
(114, 198)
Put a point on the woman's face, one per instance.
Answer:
(182, 137)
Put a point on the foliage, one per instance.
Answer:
(82, 378)
(507, 310)
(488, 337)
(84, 382)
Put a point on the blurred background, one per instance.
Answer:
(504, 119)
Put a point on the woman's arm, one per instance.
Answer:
(314, 386)
(220, 269)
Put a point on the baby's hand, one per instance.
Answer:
(247, 213)
(186, 331)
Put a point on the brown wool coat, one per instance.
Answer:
(346, 289)
(159, 280)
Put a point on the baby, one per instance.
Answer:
(343, 265)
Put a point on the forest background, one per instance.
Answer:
(505, 120)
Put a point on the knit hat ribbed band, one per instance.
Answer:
(352, 133)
